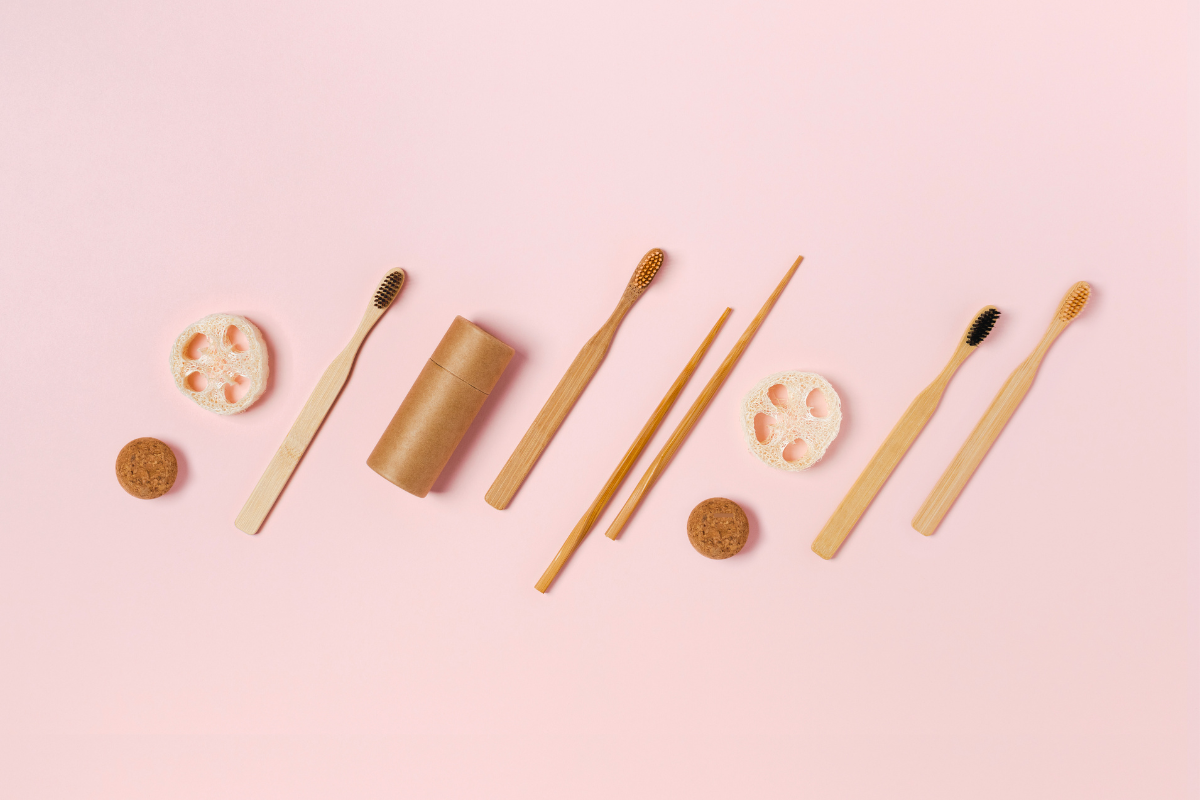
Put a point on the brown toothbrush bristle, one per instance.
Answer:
(647, 268)
(1074, 302)
(388, 288)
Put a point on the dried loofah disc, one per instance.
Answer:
(791, 420)
(211, 374)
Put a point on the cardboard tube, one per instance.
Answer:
(439, 407)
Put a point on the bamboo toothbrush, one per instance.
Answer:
(584, 526)
(663, 459)
(276, 476)
(903, 434)
(546, 424)
(930, 515)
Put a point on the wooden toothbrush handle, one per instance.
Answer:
(951, 484)
(548, 420)
(880, 467)
(878, 470)
(284, 462)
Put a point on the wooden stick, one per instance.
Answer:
(279, 471)
(659, 465)
(584, 526)
(548, 420)
(903, 434)
(948, 487)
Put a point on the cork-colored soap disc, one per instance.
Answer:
(146, 468)
(718, 528)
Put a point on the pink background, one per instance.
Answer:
(159, 163)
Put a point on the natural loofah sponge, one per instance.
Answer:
(210, 373)
(790, 419)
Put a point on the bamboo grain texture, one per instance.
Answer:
(931, 513)
(588, 520)
(846, 516)
(569, 388)
(279, 471)
(663, 459)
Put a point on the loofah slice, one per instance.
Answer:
(791, 420)
(211, 373)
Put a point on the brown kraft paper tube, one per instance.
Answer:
(439, 407)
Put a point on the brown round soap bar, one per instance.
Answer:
(146, 468)
(718, 528)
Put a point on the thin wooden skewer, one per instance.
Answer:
(951, 484)
(301, 434)
(572, 384)
(903, 434)
(584, 526)
(659, 465)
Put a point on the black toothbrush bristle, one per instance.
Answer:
(982, 326)
(386, 292)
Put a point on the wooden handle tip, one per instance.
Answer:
(924, 528)
(496, 500)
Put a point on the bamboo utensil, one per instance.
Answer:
(584, 526)
(548, 420)
(903, 434)
(659, 465)
(276, 476)
(948, 487)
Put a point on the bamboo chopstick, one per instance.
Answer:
(659, 465)
(584, 526)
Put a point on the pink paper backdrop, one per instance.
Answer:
(163, 161)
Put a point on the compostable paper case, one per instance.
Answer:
(440, 406)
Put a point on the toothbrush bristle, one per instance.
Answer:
(982, 326)
(388, 288)
(1074, 302)
(647, 268)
